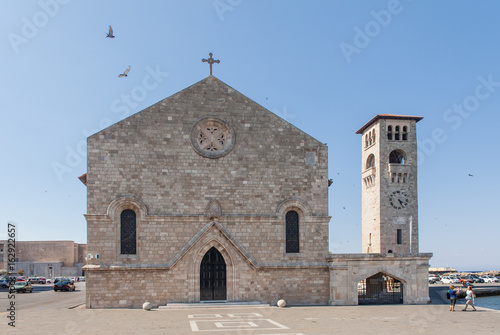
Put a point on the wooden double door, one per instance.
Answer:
(213, 276)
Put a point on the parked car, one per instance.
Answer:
(82, 279)
(490, 279)
(450, 280)
(64, 285)
(4, 283)
(477, 279)
(433, 279)
(486, 279)
(23, 286)
(37, 280)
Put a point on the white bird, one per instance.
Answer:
(110, 33)
(124, 74)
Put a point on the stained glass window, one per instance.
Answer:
(128, 232)
(292, 232)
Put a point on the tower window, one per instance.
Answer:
(366, 141)
(405, 133)
(399, 236)
(397, 157)
(396, 133)
(292, 232)
(389, 132)
(370, 162)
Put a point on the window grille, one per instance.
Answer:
(128, 232)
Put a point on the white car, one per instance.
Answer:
(490, 279)
(450, 280)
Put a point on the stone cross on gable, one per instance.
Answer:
(210, 61)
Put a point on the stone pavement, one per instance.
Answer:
(389, 319)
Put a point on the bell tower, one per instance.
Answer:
(389, 184)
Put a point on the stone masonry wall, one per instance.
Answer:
(130, 289)
(178, 281)
(346, 270)
(49, 251)
(149, 156)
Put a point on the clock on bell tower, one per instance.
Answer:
(389, 184)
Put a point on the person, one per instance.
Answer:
(470, 297)
(453, 297)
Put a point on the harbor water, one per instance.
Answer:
(492, 302)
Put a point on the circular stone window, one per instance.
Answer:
(212, 137)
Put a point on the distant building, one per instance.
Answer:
(46, 258)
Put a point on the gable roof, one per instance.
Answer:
(388, 117)
(210, 83)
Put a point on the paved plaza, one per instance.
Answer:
(389, 319)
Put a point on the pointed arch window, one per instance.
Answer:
(292, 232)
(128, 232)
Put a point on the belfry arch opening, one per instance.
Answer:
(397, 157)
(380, 289)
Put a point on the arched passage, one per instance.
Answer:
(380, 289)
(213, 276)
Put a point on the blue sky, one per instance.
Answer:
(325, 66)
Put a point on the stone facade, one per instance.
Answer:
(46, 258)
(389, 190)
(189, 196)
(347, 270)
(205, 169)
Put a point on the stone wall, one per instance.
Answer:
(347, 270)
(150, 157)
(159, 239)
(49, 251)
(36, 257)
(178, 280)
(115, 288)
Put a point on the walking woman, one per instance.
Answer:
(453, 297)
(469, 296)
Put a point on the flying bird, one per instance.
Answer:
(124, 74)
(470, 175)
(110, 33)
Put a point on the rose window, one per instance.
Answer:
(212, 137)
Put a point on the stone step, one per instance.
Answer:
(214, 304)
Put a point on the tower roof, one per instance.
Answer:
(388, 117)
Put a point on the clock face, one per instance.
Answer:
(398, 199)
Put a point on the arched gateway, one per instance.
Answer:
(213, 276)
(380, 289)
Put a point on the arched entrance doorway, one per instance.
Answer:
(380, 289)
(213, 276)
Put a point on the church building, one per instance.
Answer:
(208, 196)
